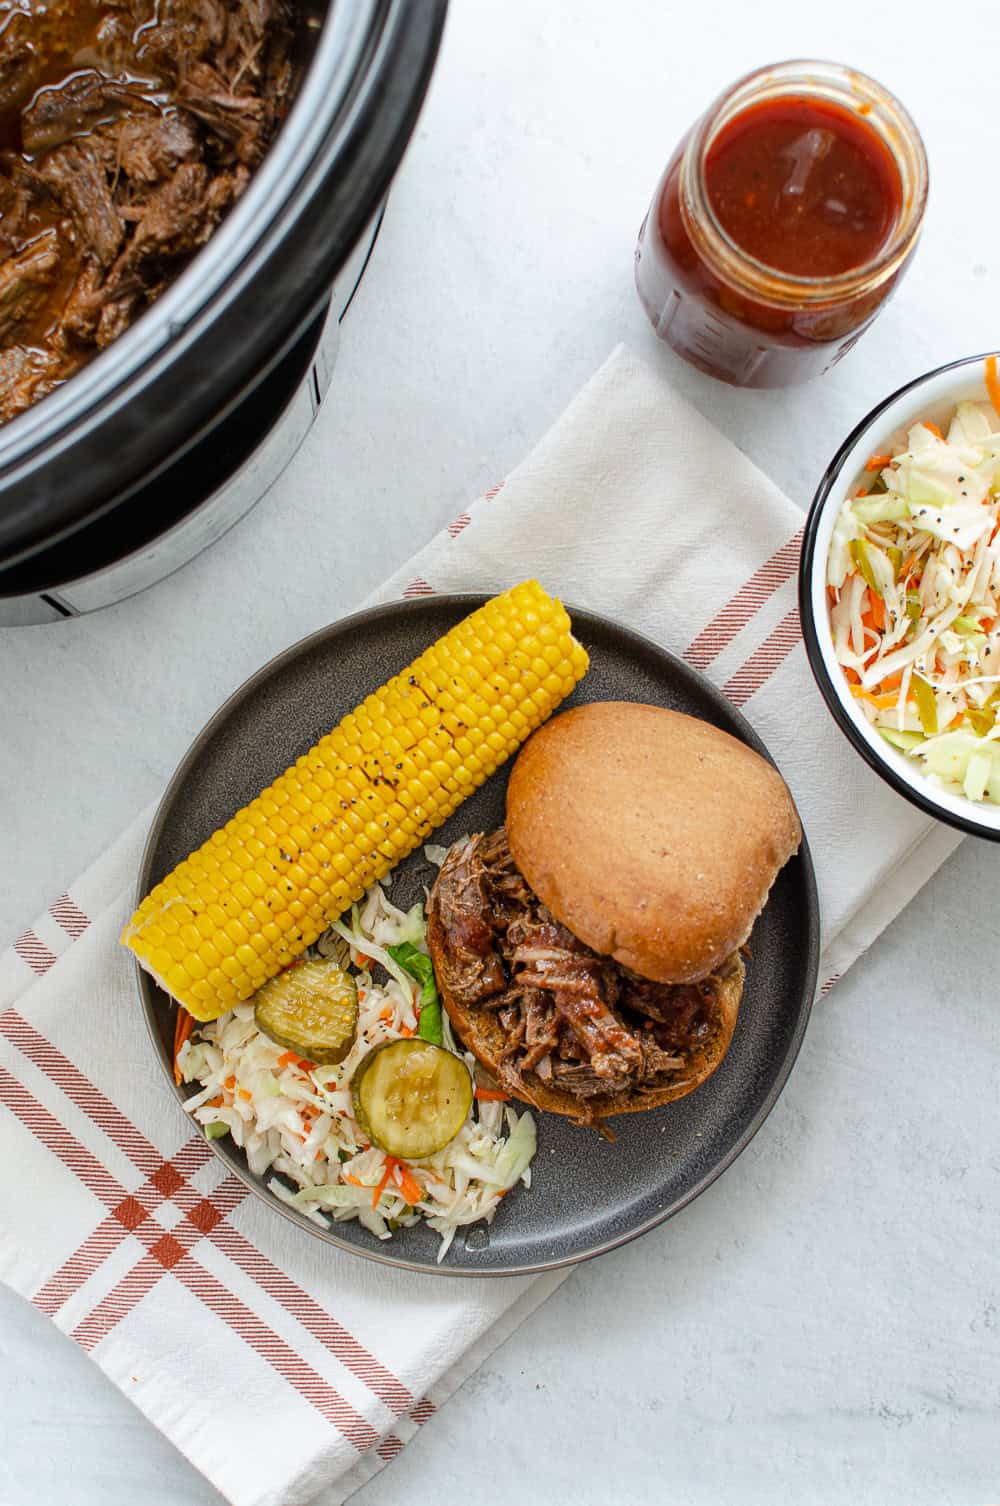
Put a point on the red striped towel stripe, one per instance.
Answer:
(69, 915)
(762, 664)
(32, 950)
(168, 1252)
(748, 600)
(170, 1180)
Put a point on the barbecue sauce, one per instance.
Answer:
(779, 228)
(804, 186)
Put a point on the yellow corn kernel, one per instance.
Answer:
(267, 884)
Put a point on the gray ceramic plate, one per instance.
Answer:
(587, 1195)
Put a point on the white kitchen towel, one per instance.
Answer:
(277, 1365)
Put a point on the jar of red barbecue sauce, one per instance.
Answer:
(782, 223)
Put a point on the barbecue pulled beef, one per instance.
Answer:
(571, 1018)
(127, 130)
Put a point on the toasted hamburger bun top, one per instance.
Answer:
(654, 837)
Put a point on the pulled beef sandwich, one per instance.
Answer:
(588, 951)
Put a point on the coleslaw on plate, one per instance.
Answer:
(913, 581)
(296, 1120)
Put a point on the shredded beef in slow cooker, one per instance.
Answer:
(576, 1020)
(127, 130)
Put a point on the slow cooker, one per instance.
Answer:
(147, 455)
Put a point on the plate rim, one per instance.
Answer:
(148, 989)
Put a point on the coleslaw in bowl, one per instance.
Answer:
(900, 592)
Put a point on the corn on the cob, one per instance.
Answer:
(266, 885)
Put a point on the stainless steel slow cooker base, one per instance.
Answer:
(228, 503)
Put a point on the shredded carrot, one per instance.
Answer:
(988, 623)
(389, 1164)
(492, 1095)
(891, 682)
(363, 961)
(832, 593)
(230, 1083)
(993, 381)
(955, 721)
(182, 1030)
(215, 1103)
(242, 1093)
(406, 1031)
(876, 462)
(292, 1059)
(851, 675)
(872, 611)
(409, 1187)
(933, 428)
(880, 702)
(385, 1014)
(354, 1181)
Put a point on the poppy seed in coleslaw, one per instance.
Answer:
(296, 1120)
(913, 583)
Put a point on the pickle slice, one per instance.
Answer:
(312, 1009)
(411, 1097)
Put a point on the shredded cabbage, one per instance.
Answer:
(299, 1124)
(914, 576)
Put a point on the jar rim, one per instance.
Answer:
(838, 84)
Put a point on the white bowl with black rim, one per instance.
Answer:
(933, 396)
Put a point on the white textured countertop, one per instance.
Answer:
(823, 1325)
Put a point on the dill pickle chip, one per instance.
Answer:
(312, 1009)
(411, 1097)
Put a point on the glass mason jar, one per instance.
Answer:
(735, 316)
